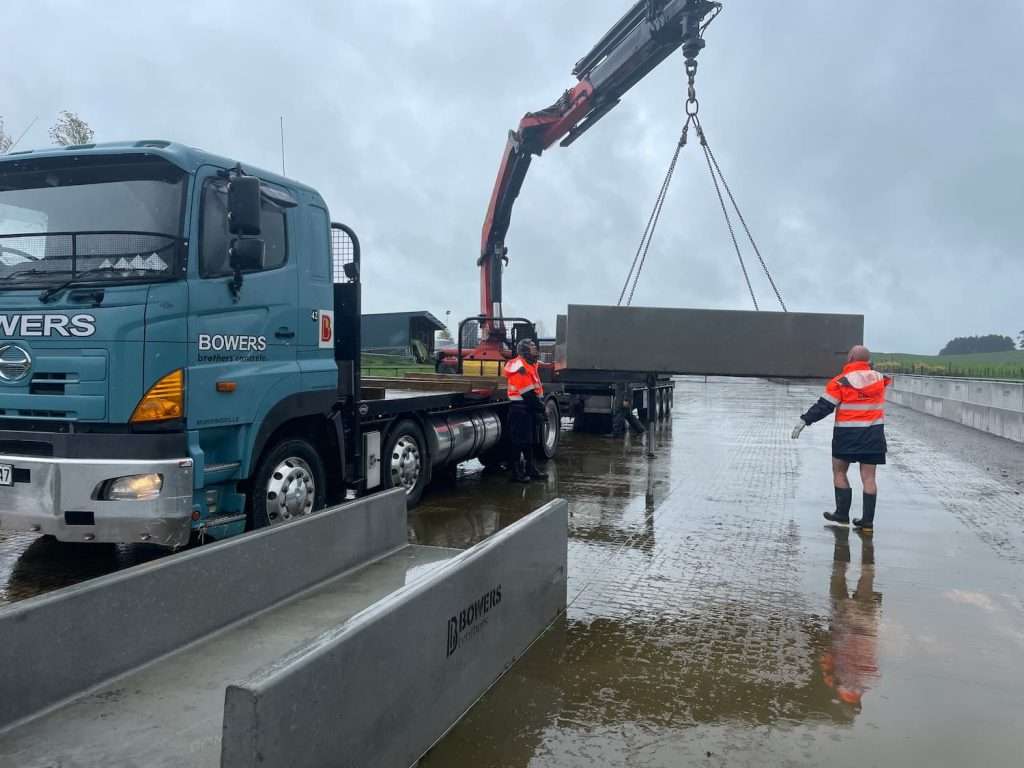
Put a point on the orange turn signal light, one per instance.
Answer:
(226, 386)
(164, 400)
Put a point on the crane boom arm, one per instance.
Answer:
(643, 38)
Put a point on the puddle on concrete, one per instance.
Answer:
(31, 565)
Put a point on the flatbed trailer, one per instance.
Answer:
(598, 404)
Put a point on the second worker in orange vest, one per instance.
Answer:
(857, 395)
(525, 412)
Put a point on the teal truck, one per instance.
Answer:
(179, 354)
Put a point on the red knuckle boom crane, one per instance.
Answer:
(643, 38)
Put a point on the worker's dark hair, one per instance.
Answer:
(523, 347)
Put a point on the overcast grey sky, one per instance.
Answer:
(877, 150)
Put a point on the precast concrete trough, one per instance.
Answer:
(712, 342)
(326, 642)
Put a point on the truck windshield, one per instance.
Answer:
(105, 219)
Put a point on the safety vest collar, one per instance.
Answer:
(856, 366)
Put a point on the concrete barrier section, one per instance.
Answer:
(382, 689)
(708, 341)
(996, 407)
(67, 641)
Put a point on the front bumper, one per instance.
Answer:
(46, 490)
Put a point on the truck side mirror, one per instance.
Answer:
(247, 254)
(244, 205)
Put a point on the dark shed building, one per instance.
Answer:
(394, 333)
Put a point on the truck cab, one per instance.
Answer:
(161, 333)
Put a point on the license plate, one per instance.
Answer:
(6, 474)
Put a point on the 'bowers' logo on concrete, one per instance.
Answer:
(47, 325)
(468, 622)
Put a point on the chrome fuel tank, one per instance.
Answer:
(460, 437)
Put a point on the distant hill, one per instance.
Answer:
(988, 365)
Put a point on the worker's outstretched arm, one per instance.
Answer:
(822, 408)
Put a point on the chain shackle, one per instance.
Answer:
(692, 104)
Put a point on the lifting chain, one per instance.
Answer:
(692, 109)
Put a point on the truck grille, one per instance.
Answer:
(63, 385)
(50, 383)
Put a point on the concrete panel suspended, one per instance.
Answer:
(711, 342)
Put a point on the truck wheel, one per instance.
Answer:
(552, 431)
(405, 460)
(289, 483)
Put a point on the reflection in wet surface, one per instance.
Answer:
(31, 565)
(850, 665)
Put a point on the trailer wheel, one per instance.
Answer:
(405, 461)
(289, 483)
(552, 431)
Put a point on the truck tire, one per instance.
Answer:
(552, 431)
(405, 461)
(289, 483)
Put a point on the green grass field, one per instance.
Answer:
(388, 367)
(989, 365)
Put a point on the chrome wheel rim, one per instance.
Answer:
(291, 491)
(406, 464)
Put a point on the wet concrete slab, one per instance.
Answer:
(715, 619)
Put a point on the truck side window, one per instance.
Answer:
(320, 243)
(214, 239)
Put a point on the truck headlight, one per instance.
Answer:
(164, 400)
(132, 488)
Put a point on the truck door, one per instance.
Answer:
(317, 325)
(248, 339)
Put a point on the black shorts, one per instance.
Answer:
(862, 458)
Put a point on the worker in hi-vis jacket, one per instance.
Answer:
(526, 411)
(857, 395)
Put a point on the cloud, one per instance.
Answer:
(876, 156)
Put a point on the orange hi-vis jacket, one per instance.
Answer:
(857, 395)
(522, 378)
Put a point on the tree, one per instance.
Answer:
(1020, 340)
(5, 140)
(70, 130)
(967, 345)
